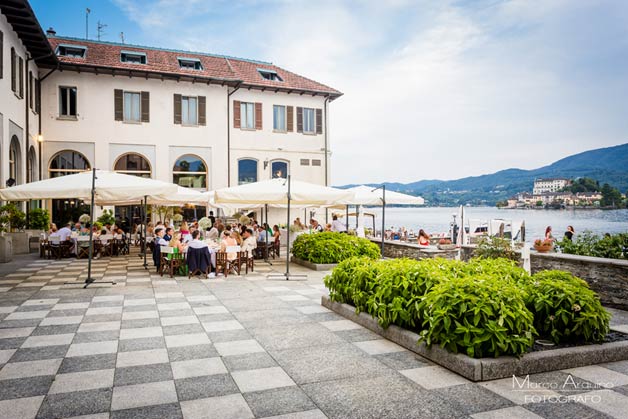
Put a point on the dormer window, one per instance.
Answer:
(133, 57)
(187, 63)
(269, 74)
(75, 51)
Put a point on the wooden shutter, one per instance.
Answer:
(31, 90)
(177, 109)
(319, 121)
(289, 118)
(236, 114)
(37, 96)
(21, 76)
(299, 119)
(117, 105)
(1, 54)
(145, 107)
(258, 115)
(13, 75)
(201, 110)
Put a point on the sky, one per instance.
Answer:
(438, 89)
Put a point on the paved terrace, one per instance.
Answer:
(151, 347)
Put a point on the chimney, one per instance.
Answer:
(51, 32)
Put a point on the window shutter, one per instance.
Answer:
(236, 114)
(13, 75)
(145, 106)
(201, 110)
(1, 54)
(177, 109)
(319, 121)
(21, 76)
(289, 118)
(117, 105)
(37, 96)
(31, 88)
(258, 115)
(299, 119)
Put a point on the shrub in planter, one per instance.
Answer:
(500, 268)
(328, 247)
(565, 309)
(38, 219)
(478, 315)
(496, 247)
(106, 217)
(352, 281)
(11, 218)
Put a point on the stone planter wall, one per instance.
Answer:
(394, 249)
(20, 242)
(6, 249)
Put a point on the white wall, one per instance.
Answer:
(12, 108)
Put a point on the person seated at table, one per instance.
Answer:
(276, 233)
(249, 243)
(262, 234)
(195, 243)
(228, 241)
(337, 225)
(219, 225)
(212, 233)
(223, 234)
(84, 230)
(159, 241)
(298, 224)
(237, 237)
(53, 228)
(150, 230)
(77, 227)
(65, 232)
(327, 227)
(269, 230)
(176, 242)
(315, 225)
(120, 234)
(168, 234)
(424, 238)
(184, 229)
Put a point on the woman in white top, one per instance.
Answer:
(228, 241)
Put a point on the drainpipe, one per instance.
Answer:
(229, 133)
(26, 129)
(326, 153)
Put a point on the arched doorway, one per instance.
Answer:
(15, 159)
(135, 165)
(190, 171)
(64, 163)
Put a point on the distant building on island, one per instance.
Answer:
(542, 186)
(555, 199)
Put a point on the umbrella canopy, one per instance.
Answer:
(182, 196)
(365, 195)
(275, 191)
(110, 187)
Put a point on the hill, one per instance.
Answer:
(607, 165)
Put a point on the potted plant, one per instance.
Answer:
(543, 246)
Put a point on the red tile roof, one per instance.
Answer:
(106, 55)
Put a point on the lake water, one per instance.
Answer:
(437, 220)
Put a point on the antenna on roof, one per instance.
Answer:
(122, 37)
(87, 12)
(101, 29)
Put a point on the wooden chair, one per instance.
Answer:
(240, 260)
(82, 244)
(170, 260)
(107, 245)
(250, 262)
(222, 263)
(274, 248)
(57, 248)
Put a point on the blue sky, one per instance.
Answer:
(439, 89)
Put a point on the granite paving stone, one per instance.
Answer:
(278, 401)
(205, 386)
(77, 403)
(232, 406)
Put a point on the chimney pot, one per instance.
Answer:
(51, 32)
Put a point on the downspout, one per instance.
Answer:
(229, 134)
(26, 129)
(326, 143)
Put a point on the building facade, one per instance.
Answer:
(542, 186)
(199, 120)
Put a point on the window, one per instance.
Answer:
(190, 63)
(75, 51)
(1, 54)
(133, 57)
(247, 171)
(31, 90)
(308, 121)
(247, 115)
(189, 110)
(316, 162)
(14, 160)
(269, 74)
(67, 162)
(132, 107)
(20, 74)
(67, 101)
(190, 171)
(305, 162)
(279, 118)
(133, 164)
(13, 70)
(31, 166)
(279, 169)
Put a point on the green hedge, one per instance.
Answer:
(328, 247)
(613, 246)
(486, 307)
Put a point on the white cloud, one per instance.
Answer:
(437, 89)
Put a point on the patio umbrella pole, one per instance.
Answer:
(145, 231)
(347, 217)
(265, 212)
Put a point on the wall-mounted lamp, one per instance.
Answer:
(265, 164)
(40, 138)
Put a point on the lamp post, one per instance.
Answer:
(383, 188)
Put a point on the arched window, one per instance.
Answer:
(133, 164)
(14, 160)
(67, 162)
(31, 170)
(190, 171)
(247, 171)
(279, 169)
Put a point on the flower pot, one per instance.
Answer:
(543, 248)
(446, 246)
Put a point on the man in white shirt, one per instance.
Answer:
(249, 243)
(195, 243)
(338, 226)
(65, 233)
(213, 233)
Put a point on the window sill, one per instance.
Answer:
(190, 125)
(280, 131)
(309, 133)
(67, 118)
(132, 122)
(248, 129)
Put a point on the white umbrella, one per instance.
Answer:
(365, 195)
(182, 196)
(108, 187)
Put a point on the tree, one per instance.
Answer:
(611, 197)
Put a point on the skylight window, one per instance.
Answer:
(269, 74)
(187, 63)
(75, 51)
(132, 57)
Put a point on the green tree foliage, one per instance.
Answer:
(613, 246)
(583, 184)
(611, 197)
(11, 218)
(38, 219)
(106, 217)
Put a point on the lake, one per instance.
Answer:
(437, 220)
